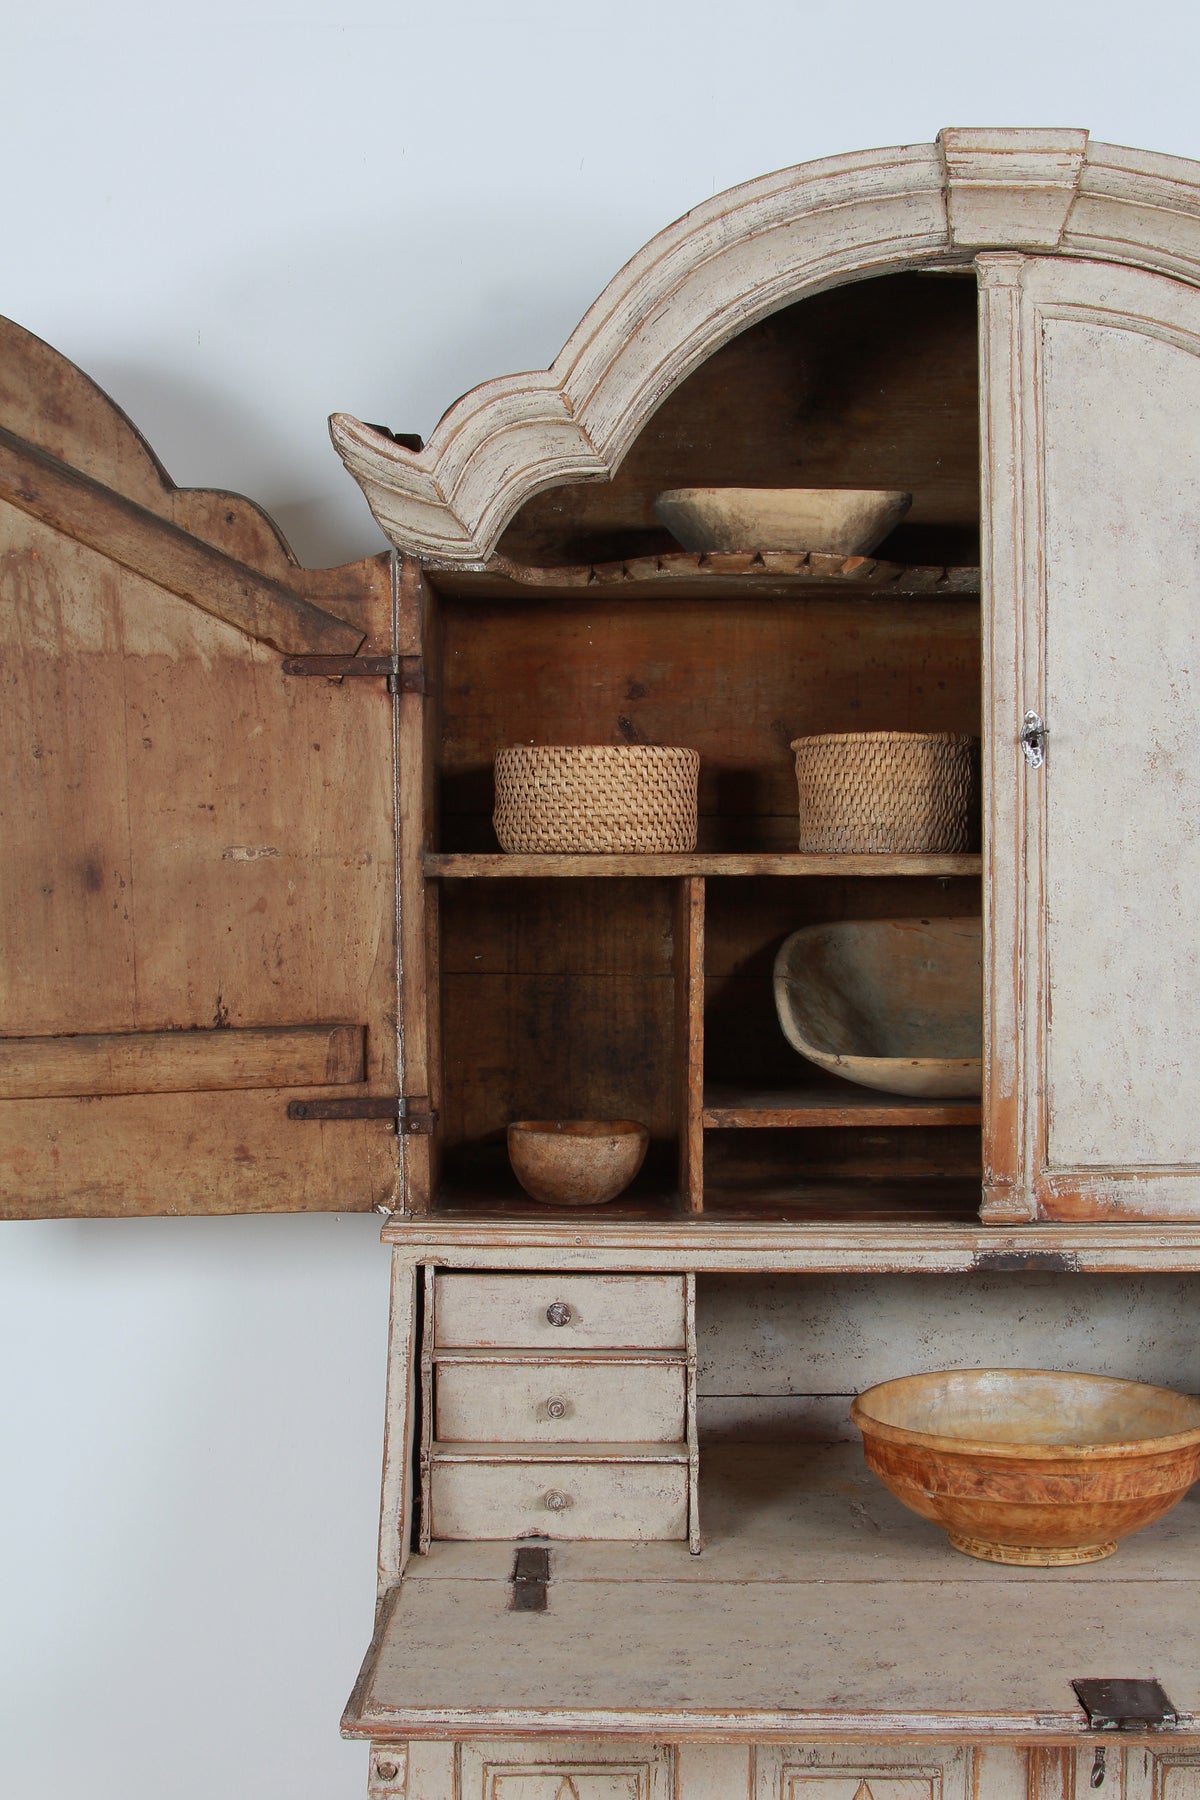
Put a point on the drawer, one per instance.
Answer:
(617, 1312)
(481, 1401)
(550, 1499)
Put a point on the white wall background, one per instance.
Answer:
(238, 218)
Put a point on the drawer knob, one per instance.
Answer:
(558, 1313)
(556, 1409)
(556, 1501)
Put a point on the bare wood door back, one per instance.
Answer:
(197, 892)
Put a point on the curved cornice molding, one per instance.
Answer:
(729, 263)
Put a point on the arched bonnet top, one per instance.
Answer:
(733, 260)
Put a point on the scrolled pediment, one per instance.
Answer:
(729, 263)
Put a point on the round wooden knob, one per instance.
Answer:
(555, 1501)
(556, 1409)
(558, 1313)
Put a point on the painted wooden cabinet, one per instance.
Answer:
(256, 802)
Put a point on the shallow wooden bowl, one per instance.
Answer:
(892, 1004)
(831, 521)
(576, 1162)
(1031, 1466)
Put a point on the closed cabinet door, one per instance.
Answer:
(1091, 397)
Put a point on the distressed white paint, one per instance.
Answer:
(558, 1769)
(1104, 383)
(1158, 1774)
(712, 1246)
(1122, 697)
(613, 1312)
(813, 1336)
(733, 260)
(825, 1609)
(838, 1772)
(568, 1499)
(546, 1402)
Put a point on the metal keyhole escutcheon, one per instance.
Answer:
(555, 1501)
(1033, 740)
(558, 1313)
(556, 1409)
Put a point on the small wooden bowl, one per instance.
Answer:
(1031, 1466)
(576, 1162)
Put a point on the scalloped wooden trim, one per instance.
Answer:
(739, 257)
(47, 400)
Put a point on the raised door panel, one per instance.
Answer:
(862, 1772)
(198, 891)
(1154, 1774)
(1093, 392)
(578, 1770)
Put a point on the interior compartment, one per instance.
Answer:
(746, 920)
(736, 679)
(557, 1002)
(870, 385)
(782, 1356)
(583, 997)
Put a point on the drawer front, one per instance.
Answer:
(561, 1312)
(580, 1403)
(559, 1500)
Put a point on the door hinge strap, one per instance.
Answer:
(405, 674)
(530, 1580)
(1125, 1705)
(411, 1114)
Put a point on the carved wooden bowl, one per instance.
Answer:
(893, 1004)
(576, 1162)
(831, 521)
(1031, 1466)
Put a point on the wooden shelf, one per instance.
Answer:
(492, 866)
(727, 1108)
(717, 575)
(793, 1199)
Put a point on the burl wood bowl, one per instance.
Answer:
(892, 1004)
(831, 521)
(1031, 1466)
(576, 1162)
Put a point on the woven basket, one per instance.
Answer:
(888, 791)
(594, 798)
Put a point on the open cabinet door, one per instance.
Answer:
(1092, 467)
(198, 879)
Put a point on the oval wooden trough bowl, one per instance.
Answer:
(1031, 1466)
(576, 1162)
(893, 1004)
(832, 521)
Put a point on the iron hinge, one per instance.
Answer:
(530, 1579)
(1114, 1705)
(405, 674)
(411, 1115)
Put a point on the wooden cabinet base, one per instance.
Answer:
(632, 1769)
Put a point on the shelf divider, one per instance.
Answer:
(689, 1038)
